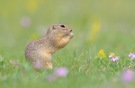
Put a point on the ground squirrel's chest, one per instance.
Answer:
(62, 42)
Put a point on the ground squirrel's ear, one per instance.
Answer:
(53, 27)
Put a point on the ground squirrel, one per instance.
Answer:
(39, 52)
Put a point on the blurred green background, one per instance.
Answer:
(115, 18)
(97, 24)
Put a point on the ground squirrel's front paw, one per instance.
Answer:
(71, 35)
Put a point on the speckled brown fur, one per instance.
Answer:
(41, 50)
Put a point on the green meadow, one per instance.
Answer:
(100, 27)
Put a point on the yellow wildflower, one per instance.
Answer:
(101, 53)
(95, 28)
(32, 5)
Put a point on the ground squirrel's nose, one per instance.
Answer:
(71, 30)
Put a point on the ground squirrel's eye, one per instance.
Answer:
(62, 26)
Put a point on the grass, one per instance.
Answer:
(107, 25)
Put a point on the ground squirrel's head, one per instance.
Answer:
(60, 30)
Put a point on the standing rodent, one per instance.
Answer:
(40, 51)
